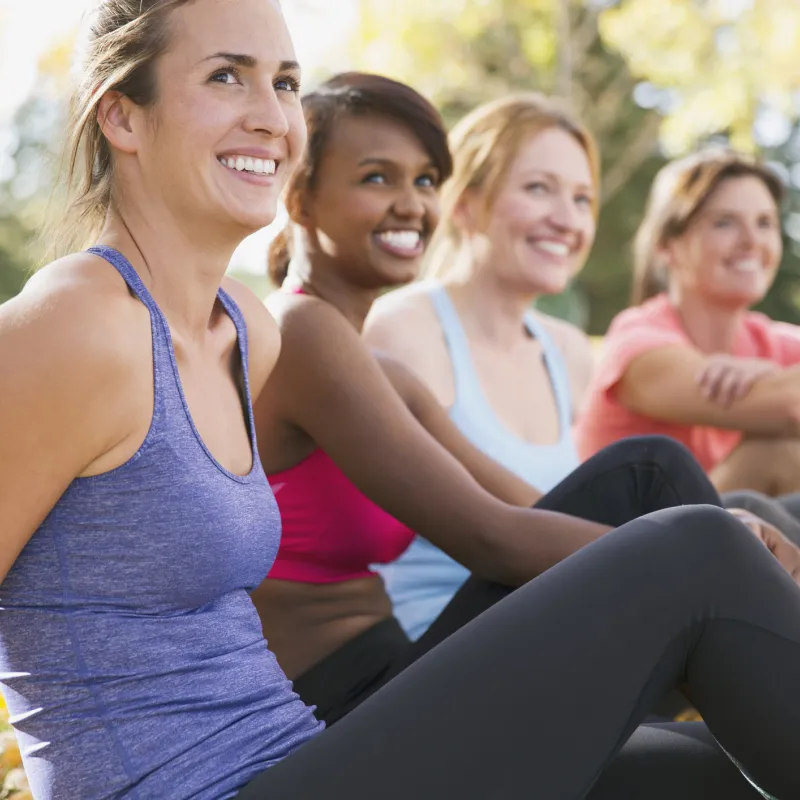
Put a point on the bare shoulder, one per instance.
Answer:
(78, 346)
(82, 310)
(569, 338)
(402, 321)
(263, 336)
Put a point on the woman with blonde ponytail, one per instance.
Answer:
(518, 222)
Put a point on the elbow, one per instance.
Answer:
(790, 415)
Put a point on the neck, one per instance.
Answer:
(489, 308)
(180, 267)
(712, 328)
(315, 273)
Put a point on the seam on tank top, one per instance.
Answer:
(253, 473)
(83, 671)
(441, 302)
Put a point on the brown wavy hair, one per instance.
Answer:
(355, 94)
(678, 194)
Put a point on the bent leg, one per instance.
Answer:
(672, 761)
(769, 466)
(537, 695)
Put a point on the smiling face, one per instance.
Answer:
(541, 225)
(374, 204)
(730, 253)
(226, 129)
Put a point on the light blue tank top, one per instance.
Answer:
(131, 657)
(423, 580)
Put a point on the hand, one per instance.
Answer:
(787, 553)
(726, 378)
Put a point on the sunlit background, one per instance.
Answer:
(652, 78)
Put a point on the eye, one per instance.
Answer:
(584, 200)
(537, 187)
(768, 223)
(723, 222)
(228, 75)
(288, 84)
(374, 177)
(428, 181)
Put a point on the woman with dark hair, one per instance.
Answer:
(136, 517)
(359, 454)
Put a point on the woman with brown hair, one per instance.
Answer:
(518, 222)
(690, 359)
(136, 517)
(359, 454)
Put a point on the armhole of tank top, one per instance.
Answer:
(157, 413)
(556, 365)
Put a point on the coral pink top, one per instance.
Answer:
(331, 531)
(655, 324)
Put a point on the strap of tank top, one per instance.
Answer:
(467, 386)
(129, 275)
(557, 368)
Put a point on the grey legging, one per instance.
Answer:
(536, 696)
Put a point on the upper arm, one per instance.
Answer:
(67, 399)
(328, 384)
(263, 336)
(494, 477)
(662, 384)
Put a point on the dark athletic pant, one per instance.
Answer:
(536, 696)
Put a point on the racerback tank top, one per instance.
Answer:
(131, 657)
(423, 580)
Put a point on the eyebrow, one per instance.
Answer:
(389, 162)
(554, 177)
(243, 60)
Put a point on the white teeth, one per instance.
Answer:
(556, 248)
(747, 265)
(257, 166)
(401, 240)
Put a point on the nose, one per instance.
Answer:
(564, 213)
(408, 203)
(266, 114)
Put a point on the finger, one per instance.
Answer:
(710, 383)
(728, 385)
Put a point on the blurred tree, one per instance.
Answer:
(636, 71)
(29, 168)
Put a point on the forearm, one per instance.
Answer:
(523, 543)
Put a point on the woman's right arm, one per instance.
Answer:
(662, 383)
(327, 384)
(65, 378)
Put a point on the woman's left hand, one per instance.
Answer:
(787, 553)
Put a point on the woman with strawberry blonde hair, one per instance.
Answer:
(518, 222)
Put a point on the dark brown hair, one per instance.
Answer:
(123, 42)
(679, 192)
(355, 94)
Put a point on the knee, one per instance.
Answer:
(668, 454)
(708, 537)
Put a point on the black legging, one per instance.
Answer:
(536, 696)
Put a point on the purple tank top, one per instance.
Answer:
(131, 657)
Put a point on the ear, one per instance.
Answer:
(114, 113)
(468, 212)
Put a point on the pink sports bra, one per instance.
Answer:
(331, 531)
